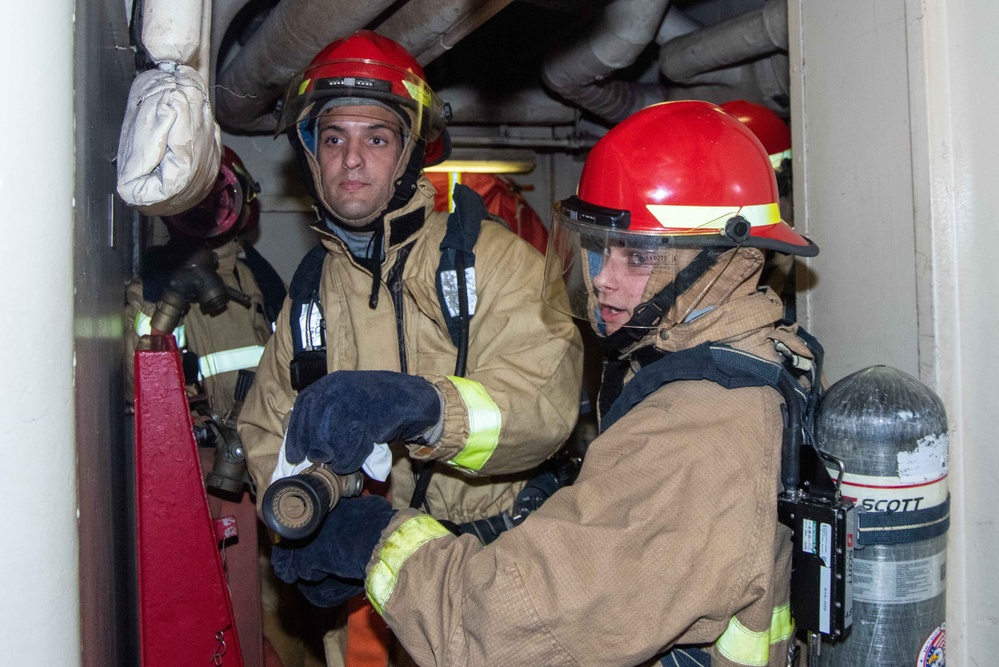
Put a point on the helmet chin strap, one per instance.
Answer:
(650, 314)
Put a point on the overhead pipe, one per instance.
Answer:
(294, 32)
(528, 106)
(428, 28)
(751, 36)
(577, 71)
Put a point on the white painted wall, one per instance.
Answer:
(39, 606)
(963, 207)
(895, 144)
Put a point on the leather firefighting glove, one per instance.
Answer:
(338, 419)
(329, 566)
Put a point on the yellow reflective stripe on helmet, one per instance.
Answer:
(483, 424)
(229, 360)
(399, 546)
(144, 327)
(711, 219)
(777, 159)
(746, 647)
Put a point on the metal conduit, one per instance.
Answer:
(428, 28)
(294, 32)
(755, 34)
(576, 71)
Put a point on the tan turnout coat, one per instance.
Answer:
(526, 356)
(668, 538)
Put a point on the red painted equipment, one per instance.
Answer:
(185, 613)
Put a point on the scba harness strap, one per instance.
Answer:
(455, 291)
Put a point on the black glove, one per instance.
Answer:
(342, 547)
(339, 418)
(331, 591)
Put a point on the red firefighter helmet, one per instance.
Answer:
(686, 171)
(768, 127)
(367, 68)
(676, 175)
(231, 205)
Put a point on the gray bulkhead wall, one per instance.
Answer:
(103, 69)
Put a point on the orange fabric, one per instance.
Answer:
(502, 197)
(368, 637)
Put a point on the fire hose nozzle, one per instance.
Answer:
(294, 507)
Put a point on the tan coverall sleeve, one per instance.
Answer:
(270, 399)
(668, 532)
(525, 355)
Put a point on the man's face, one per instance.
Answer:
(621, 283)
(358, 152)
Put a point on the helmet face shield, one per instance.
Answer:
(604, 275)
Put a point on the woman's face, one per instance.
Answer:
(621, 283)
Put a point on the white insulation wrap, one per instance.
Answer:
(170, 146)
(171, 30)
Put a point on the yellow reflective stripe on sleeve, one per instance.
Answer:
(483, 424)
(453, 179)
(781, 625)
(711, 219)
(143, 324)
(746, 647)
(144, 327)
(399, 546)
(230, 360)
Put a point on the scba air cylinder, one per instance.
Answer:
(890, 431)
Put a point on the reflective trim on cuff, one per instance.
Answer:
(144, 327)
(781, 625)
(230, 360)
(484, 422)
(399, 546)
(746, 647)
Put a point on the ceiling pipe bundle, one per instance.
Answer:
(750, 36)
(428, 28)
(577, 71)
(294, 32)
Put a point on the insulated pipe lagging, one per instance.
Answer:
(576, 71)
(294, 32)
(757, 33)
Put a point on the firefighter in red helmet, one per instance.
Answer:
(667, 547)
(412, 336)
(216, 346)
(775, 135)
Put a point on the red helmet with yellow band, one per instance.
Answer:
(367, 68)
(662, 195)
